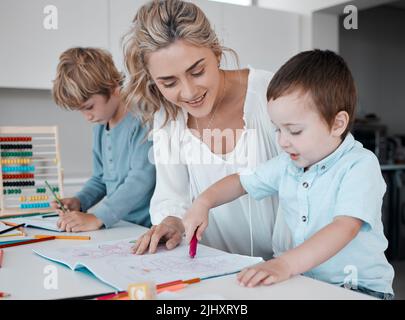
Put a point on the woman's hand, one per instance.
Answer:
(170, 230)
(196, 220)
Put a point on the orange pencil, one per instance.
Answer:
(190, 281)
(41, 236)
(168, 284)
(1, 257)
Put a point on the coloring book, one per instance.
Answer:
(113, 263)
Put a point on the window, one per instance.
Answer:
(238, 2)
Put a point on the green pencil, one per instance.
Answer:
(56, 198)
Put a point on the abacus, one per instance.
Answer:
(29, 156)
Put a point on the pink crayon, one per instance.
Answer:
(193, 246)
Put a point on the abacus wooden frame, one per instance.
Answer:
(4, 211)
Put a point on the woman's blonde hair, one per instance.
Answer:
(157, 25)
(83, 72)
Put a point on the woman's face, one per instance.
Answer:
(187, 76)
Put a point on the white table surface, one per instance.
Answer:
(23, 274)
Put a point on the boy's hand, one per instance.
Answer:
(196, 220)
(70, 204)
(76, 221)
(269, 272)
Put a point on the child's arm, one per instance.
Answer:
(223, 191)
(320, 247)
(94, 189)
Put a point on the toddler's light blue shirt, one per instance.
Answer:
(123, 177)
(348, 182)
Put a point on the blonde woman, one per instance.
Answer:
(208, 123)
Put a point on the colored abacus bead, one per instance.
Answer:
(34, 205)
(18, 176)
(18, 183)
(11, 191)
(15, 146)
(17, 154)
(14, 139)
(18, 169)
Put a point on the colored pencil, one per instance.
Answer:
(193, 246)
(1, 257)
(219, 275)
(3, 294)
(191, 281)
(111, 295)
(175, 287)
(41, 236)
(26, 242)
(90, 296)
(168, 284)
(56, 198)
(12, 228)
(50, 216)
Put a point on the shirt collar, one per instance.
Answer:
(326, 163)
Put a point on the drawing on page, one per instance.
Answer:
(120, 249)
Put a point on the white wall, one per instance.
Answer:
(263, 38)
(22, 107)
(376, 55)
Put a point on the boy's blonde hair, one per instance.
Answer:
(83, 72)
(157, 25)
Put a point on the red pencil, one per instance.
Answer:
(193, 246)
(3, 294)
(26, 242)
(1, 257)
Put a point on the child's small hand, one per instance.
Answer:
(269, 272)
(76, 221)
(196, 220)
(70, 204)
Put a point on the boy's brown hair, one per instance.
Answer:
(326, 76)
(83, 72)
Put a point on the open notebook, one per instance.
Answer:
(38, 222)
(113, 263)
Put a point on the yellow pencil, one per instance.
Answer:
(39, 236)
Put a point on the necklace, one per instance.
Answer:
(215, 107)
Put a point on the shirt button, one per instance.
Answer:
(304, 219)
(110, 160)
(323, 168)
(109, 147)
(305, 185)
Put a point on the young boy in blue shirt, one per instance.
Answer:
(123, 177)
(330, 188)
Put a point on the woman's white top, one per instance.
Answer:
(185, 167)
